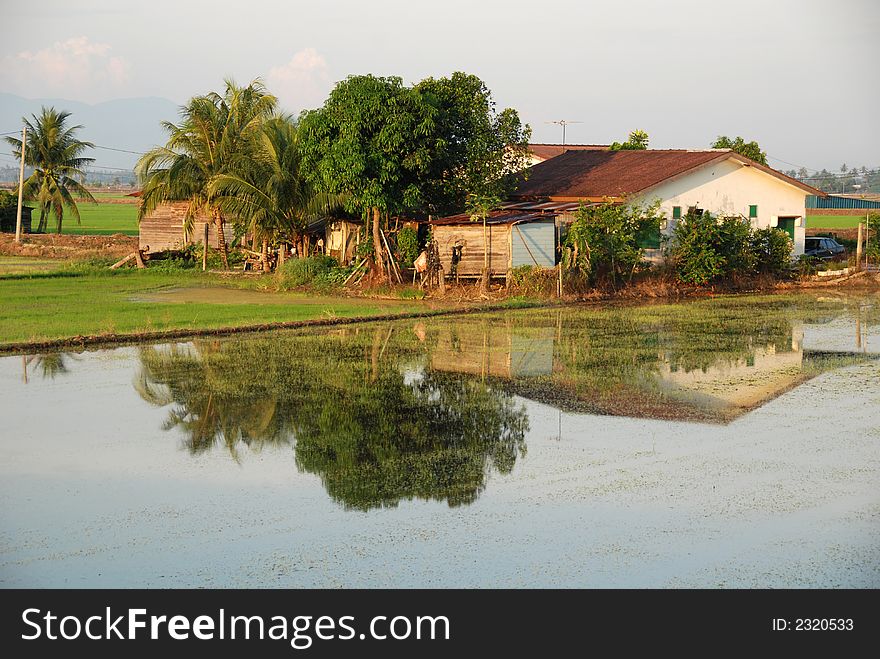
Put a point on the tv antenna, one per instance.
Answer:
(563, 123)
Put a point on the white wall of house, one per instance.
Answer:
(729, 188)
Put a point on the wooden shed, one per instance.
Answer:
(9, 218)
(163, 229)
(515, 238)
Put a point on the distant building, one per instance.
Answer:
(716, 180)
(541, 152)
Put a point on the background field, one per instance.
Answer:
(100, 219)
(834, 221)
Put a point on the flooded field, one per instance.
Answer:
(732, 442)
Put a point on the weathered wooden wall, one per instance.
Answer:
(471, 237)
(163, 229)
(341, 240)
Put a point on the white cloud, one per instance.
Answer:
(75, 68)
(301, 83)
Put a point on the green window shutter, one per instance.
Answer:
(753, 211)
(676, 212)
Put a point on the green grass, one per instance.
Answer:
(834, 221)
(20, 265)
(97, 219)
(93, 301)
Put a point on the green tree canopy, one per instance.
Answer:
(373, 141)
(269, 194)
(637, 141)
(739, 145)
(56, 156)
(476, 147)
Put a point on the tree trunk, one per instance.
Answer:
(264, 256)
(41, 228)
(377, 243)
(221, 238)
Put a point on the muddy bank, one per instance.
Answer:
(93, 340)
(68, 247)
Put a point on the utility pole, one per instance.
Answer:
(20, 186)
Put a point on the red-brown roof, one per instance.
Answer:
(547, 151)
(594, 174)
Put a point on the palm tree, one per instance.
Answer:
(217, 136)
(56, 156)
(270, 195)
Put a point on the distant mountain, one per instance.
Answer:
(126, 123)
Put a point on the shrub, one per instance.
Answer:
(408, 246)
(532, 280)
(696, 250)
(604, 239)
(706, 249)
(771, 248)
(299, 272)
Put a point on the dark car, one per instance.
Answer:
(823, 248)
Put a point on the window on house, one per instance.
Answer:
(676, 212)
(696, 211)
(753, 211)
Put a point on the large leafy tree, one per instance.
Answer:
(739, 145)
(270, 194)
(55, 153)
(217, 136)
(476, 147)
(373, 140)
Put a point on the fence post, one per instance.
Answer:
(859, 248)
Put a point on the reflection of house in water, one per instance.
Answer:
(730, 388)
(494, 351)
(530, 362)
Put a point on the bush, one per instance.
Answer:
(604, 239)
(772, 250)
(532, 280)
(317, 270)
(408, 246)
(706, 249)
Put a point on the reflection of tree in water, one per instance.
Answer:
(48, 365)
(374, 435)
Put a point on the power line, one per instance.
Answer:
(112, 148)
(90, 166)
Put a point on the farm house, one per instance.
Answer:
(720, 181)
(515, 238)
(163, 229)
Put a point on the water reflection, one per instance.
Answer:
(374, 430)
(709, 361)
(47, 365)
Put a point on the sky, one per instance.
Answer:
(799, 76)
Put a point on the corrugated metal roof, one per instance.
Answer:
(844, 201)
(495, 217)
(550, 206)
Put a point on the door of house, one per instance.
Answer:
(787, 225)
